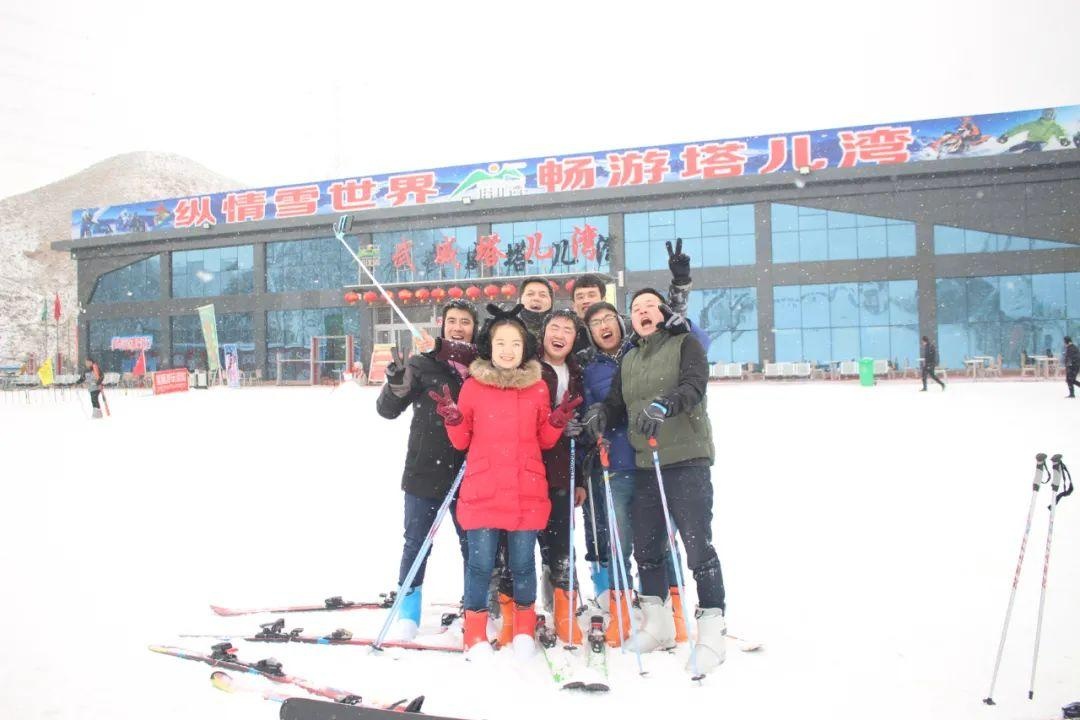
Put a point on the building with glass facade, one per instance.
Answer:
(981, 253)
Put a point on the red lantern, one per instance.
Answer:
(570, 286)
(455, 292)
(423, 294)
(437, 294)
(371, 296)
(404, 295)
(492, 291)
(352, 297)
(509, 290)
(472, 292)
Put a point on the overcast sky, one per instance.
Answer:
(275, 93)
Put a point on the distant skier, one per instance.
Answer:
(1072, 366)
(929, 362)
(94, 379)
(503, 420)
(1039, 133)
(431, 462)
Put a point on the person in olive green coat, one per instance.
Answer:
(660, 390)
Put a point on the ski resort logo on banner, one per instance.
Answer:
(1024, 131)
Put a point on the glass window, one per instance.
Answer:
(1006, 314)
(189, 346)
(787, 311)
(319, 264)
(815, 306)
(903, 302)
(559, 245)
(729, 317)
(137, 282)
(844, 304)
(289, 333)
(805, 234)
(952, 240)
(202, 273)
(102, 332)
(844, 321)
(717, 236)
(1048, 296)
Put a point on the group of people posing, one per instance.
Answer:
(527, 401)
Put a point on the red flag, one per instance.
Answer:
(56, 308)
(140, 365)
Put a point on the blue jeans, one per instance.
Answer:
(483, 544)
(419, 515)
(622, 497)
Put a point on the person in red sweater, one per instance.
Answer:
(503, 420)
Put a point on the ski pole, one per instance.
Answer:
(615, 550)
(1055, 483)
(1040, 470)
(570, 553)
(592, 516)
(671, 546)
(104, 401)
(339, 233)
(407, 585)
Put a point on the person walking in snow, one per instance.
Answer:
(503, 420)
(929, 363)
(1072, 366)
(431, 462)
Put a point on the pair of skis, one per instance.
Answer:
(299, 708)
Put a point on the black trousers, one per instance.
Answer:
(928, 371)
(94, 399)
(1070, 379)
(689, 494)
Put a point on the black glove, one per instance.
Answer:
(395, 371)
(1003, 139)
(1064, 141)
(595, 420)
(678, 262)
(674, 323)
(574, 428)
(650, 419)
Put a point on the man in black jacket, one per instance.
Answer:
(929, 362)
(1072, 365)
(431, 462)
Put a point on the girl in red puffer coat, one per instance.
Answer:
(503, 419)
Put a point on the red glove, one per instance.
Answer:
(445, 406)
(562, 414)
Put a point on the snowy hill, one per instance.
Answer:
(30, 271)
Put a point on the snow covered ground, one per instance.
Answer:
(868, 538)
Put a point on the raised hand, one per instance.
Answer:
(395, 371)
(562, 414)
(446, 407)
(678, 262)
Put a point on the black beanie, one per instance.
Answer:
(458, 305)
(498, 317)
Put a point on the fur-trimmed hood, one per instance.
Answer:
(520, 378)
